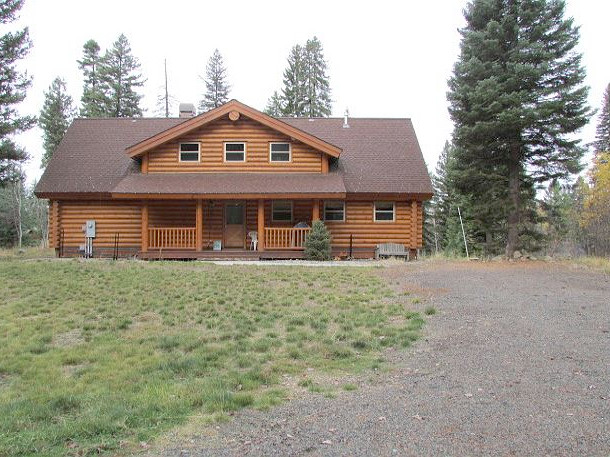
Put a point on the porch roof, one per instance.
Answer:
(230, 184)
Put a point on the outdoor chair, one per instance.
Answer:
(253, 240)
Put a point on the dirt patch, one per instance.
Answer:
(68, 339)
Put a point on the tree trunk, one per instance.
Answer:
(488, 242)
(514, 193)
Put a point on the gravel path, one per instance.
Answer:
(516, 362)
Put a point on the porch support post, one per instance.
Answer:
(315, 211)
(144, 226)
(199, 225)
(261, 225)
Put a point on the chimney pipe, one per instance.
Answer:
(345, 116)
(186, 110)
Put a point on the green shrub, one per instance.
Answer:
(317, 245)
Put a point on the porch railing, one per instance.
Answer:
(172, 238)
(286, 237)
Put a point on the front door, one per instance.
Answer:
(235, 231)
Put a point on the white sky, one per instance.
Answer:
(385, 58)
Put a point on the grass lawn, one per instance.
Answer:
(98, 356)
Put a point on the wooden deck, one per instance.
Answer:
(225, 254)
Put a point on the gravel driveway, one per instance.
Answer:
(516, 362)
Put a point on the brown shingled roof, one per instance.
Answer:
(230, 183)
(379, 156)
(91, 156)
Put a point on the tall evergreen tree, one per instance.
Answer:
(516, 98)
(602, 143)
(317, 86)
(306, 90)
(93, 99)
(55, 117)
(216, 85)
(293, 92)
(275, 105)
(121, 77)
(14, 46)
(440, 205)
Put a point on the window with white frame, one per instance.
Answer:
(189, 152)
(235, 152)
(281, 211)
(385, 212)
(280, 152)
(334, 210)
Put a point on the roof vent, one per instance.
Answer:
(186, 110)
(345, 116)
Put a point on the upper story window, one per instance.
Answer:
(235, 152)
(281, 211)
(334, 211)
(189, 152)
(280, 152)
(385, 212)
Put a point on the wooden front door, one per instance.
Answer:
(235, 229)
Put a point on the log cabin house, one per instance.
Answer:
(206, 185)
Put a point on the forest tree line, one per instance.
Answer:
(112, 80)
(514, 169)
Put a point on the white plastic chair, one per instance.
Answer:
(253, 240)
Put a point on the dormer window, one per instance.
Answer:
(235, 152)
(189, 152)
(280, 152)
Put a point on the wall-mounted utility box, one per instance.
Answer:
(90, 229)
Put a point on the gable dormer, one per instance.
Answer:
(234, 138)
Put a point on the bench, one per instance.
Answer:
(391, 250)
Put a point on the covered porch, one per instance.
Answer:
(227, 228)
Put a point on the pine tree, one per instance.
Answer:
(317, 86)
(306, 90)
(317, 244)
(55, 117)
(516, 98)
(119, 73)
(14, 46)
(275, 105)
(602, 143)
(293, 92)
(440, 204)
(93, 99)
(216, 85)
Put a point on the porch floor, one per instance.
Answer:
(232, 254)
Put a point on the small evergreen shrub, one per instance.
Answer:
(317, 245)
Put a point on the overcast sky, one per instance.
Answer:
(385, 58)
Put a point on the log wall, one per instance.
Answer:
(110, 217)
(124, 217)
(366, 233)
(211, 137)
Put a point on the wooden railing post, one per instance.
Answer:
(199, 225)
(145, 227)
(261, 225)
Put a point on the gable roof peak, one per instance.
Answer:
(231, 107)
